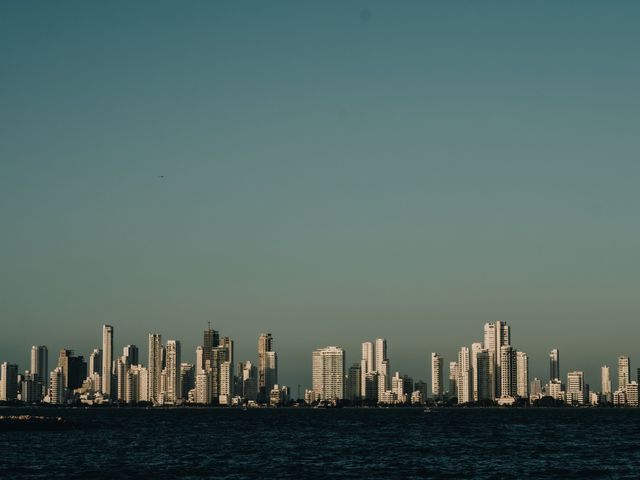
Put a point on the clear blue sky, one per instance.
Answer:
(335, 171)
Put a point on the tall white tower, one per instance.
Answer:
(107, 360)
(40, 367)
(623, 372)
(328, 373)
(465, 393)
(174, 387)
(437, 379)
(606, 382)
(155, 366)
(522, 373)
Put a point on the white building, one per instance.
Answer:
(623, 372)
(632, 394)
(522, 373)
(464, 380)
(155, 366)
(367, 365)
(575, 388)
(173, 387)
(328, 373)
(40, 367)
(508, 371)
(57, 394)
(107, 359)
(437, 378)
(606, 383)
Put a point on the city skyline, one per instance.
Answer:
(467, 359)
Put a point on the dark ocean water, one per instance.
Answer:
(341, 443)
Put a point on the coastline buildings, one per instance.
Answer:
(40, 367)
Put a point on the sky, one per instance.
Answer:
(329, 172)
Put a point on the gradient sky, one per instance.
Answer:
(335, 172)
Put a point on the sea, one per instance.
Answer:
(402, 443)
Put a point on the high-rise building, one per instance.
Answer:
(200, 366)
(203, 387)
(623, 372)
(57, 394)
(522, 374)
(130, 353)
(95, 364)
(249, 381)
(174, 388)
(226, 383)
(453, 379)
(328, 373)
(380, 352)
(40, 367)
(465, 390)
(631, 392)
(155, 366)
(508, 372)
(353, 387)
(122, 368)
(482, 375)
(384, 379)
(536, 387)
(496, 335)
(437, 377)
(137, 384)
(187, 379)
(107, 360)
(606, 383)
(8, 382)
(211, 340)
(575, 388)
(475, 348)
(265, 344)
(367, 365)
(554, 364)
(74, 369)
(271, 371)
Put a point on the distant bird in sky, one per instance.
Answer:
(161, 176)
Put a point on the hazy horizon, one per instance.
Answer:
(330, 173)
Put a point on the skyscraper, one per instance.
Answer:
(465, 390)
(265, 344)
(174, 390)
(383, 366)
(482, 374)
(271, 371)
(437, 378)
(623, 372)
(328, 373)
(95, 363)
(8, 382)
(508, 372)
(606, 383)
(496, 335)
(554, 364)
(575, 388)
(211, 340)
(476, 347)
(367, 365)
(155, 366)
(58, 390)
(107, 360)
(74, 369)
(453, 379)
(130, 353)
(522, 373)
(353, 387)
(40, 367)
